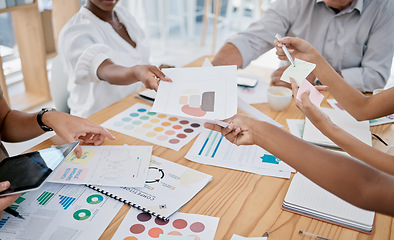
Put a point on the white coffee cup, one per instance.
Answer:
(279, 97)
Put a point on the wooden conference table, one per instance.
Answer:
(247, 204)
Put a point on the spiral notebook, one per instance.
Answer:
(168, 187)
(306, 198)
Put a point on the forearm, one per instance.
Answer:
(358, 149)
(353, 181)
(228, 55)
(115, 74)
(356, 103)
(20, 126)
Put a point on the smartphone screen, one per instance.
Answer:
(246, 82)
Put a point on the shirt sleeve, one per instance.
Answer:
(377, 59)
(259, 37)
(81, 47)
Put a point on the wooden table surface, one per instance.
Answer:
(247, 204)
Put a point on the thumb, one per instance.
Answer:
(4, 185)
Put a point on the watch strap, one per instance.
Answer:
(39, 119)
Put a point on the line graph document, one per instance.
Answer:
(125, 166)
(213, 149)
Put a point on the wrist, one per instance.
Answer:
(42, 119)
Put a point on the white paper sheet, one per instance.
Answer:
(253, 112)
(237, 237)
(61, 212)
(296, 126)
(213, 149)
(145, 227)
(206, 93)
(301, 70)
(125, 166)
(161, 129)
(168, 187)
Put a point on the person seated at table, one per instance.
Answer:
(17, 126)
(364, 184)
(348, 33)
(106, 56)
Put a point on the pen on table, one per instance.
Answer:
(313, 235)
(13, 213)
(379, 138)
(279, 37)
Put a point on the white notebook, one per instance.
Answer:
(307, 198)
(359, 129)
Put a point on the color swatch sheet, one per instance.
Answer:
(142, 226)
(213, 149)
(125, 166)
(61, 212)
(160, 129)
(168, 187)
(207, 93)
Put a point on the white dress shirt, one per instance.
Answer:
(357, 41)
(84, 43)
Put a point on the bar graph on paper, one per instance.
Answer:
(45, 197)
(66, 201)
(213, 149)
(211, 145)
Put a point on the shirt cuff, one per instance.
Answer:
(243, 46)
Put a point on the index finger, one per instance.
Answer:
(294, 86)
(159, 74)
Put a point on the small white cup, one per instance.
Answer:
(279, 97)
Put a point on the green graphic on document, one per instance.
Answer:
(95, 199)
(82, 214)
(45, 197)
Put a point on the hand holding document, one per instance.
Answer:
(315, 96)
(301, 70)
(207, 93)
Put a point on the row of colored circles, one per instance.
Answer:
(196, 227)
(82, 214)
(95, 199)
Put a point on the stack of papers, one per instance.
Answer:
(307, 198)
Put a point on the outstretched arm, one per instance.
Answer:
(357, 104)
(348, 178)
(115, 74)
(378, 159)
(228, 55)
(20, 126)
